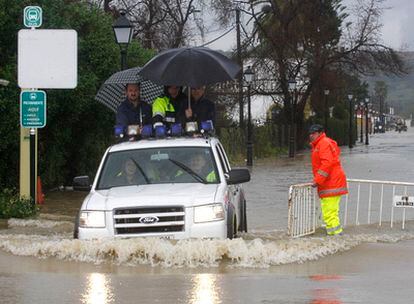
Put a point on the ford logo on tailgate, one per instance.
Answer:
(148, 219)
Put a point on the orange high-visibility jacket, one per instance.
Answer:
(326, 166)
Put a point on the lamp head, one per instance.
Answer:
(292, 84)
(122, 29)
(248, 75)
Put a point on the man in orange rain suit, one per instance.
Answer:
(328, 177)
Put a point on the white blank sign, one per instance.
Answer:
(47, 59)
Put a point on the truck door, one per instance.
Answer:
(234, 190)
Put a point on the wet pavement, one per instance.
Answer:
(40, 263)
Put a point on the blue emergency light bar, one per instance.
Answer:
(146, 131)
(207, 126)
(160, 131)
(176, 129)
(119, 131)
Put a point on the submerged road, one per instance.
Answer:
(39, 263)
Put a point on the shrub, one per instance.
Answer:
(338, 129)
(11, 205)
(265, 143)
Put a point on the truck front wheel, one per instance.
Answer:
(243, 216)
(76, 228)
(231, 224)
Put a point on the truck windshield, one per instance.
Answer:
(158, 166)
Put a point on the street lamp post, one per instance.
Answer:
(326, 92)
(366, 121)
(356, 109)
(248, 77)
(351, 114)
(371, 120)
(123, 33)
(240, 62)
(292, 89)
(361, 109)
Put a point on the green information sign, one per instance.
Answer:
(33, 109)
(32, 16)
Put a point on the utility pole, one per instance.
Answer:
(326, 109)
(249, 76)
(240, 62)
(367, 104)
(382, 111)
(361, 110)
(292, 127)
(249, 129)
(351, 116)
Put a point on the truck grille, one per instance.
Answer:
(144, 220)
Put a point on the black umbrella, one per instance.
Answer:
(112, 92)
(191, 66)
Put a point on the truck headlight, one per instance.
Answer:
(92, 219)
(208, 213)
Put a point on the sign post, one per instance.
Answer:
(46, 59)
(33, 164)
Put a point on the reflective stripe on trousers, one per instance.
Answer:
(330, 213)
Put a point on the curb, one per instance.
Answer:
(4, 223)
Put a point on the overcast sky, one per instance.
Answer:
(398, 27)
(398, 24)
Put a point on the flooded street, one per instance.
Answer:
(41, 263)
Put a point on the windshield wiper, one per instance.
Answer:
(189, 171)
(142, 171)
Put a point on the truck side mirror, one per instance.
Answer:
(81, 183)
(238, 176)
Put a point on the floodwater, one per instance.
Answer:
(41, 263)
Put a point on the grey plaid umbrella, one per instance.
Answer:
(112, 92)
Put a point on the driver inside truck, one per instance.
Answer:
(202, 167)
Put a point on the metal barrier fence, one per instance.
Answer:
(368, 202)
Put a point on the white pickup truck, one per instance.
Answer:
(172, 188)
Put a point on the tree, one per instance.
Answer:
(9, 96)
(306, 39)
(314, 43)
(380, 95)
(162, 24)
(78, 129)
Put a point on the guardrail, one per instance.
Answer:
(368, 202)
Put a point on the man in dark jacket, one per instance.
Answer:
(201, 108)
(133, 111)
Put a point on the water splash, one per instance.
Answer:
(38, 223)
(251, 253)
